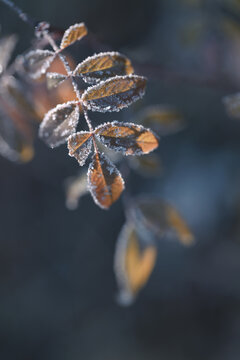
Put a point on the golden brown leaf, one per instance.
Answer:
(134, 263)
(128, 138)
(72, 34)
(114, 94)
(162, 219)
(103, 66)
(164, 119)
(105, 181)
(80, 146)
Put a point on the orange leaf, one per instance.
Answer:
(134, 262)
(128, 138)
(105, 181)
(80, 146)
(72, 34)
(114, 94)
(103, 66)
(163, 219)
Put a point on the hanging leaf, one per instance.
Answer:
(72, 34)
(75, 187)
(103, 66)
(17, 96)
(114, 94)
(13, 144)
(105, 181)
(7, 45)
(146, 165)
(36, 62)
(54, 79)
(163, 119)
(162, 219)
(232, 105)
(59, 123)
(80, 146)
(128, 138)
(133, 263)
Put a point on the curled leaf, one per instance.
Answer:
(232, 105)
(103, 66)
(76, 187)
(163, 219)
(36, 62)
(105, 181)
(164, 119)
(115, 93)
(128, 138)
(134, 261)
(59, 123)
(80, 146)
(54, 79)
(72, 34)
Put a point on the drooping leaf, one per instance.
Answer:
(7, 45)
(59, 123)
(162, 219)
(75, 187)
(232, 105)
(36, 62)
(80, 146)
(115, 93)
(54, 79)
(18, 96)
(105, 181)
(103, 66)
(164, 119)
(13, 144)
(146, 165)
(128, 138)
(72, 34)
(134, 261)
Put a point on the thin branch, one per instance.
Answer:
(21, 14)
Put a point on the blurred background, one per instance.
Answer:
(57, 285)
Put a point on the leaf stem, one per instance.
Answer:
(74, 83)
(21, 14)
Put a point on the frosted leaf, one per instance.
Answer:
(54, 79)
(103, 66)
(114, 94)
(59, 123)
(7, 45)
(80, 146)
(72, 34)
(134, 261)
(105, 181)
(75, 187)
(128, 138)
(232, 105)
(36, 62)
(164, 119)
(162, 219)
